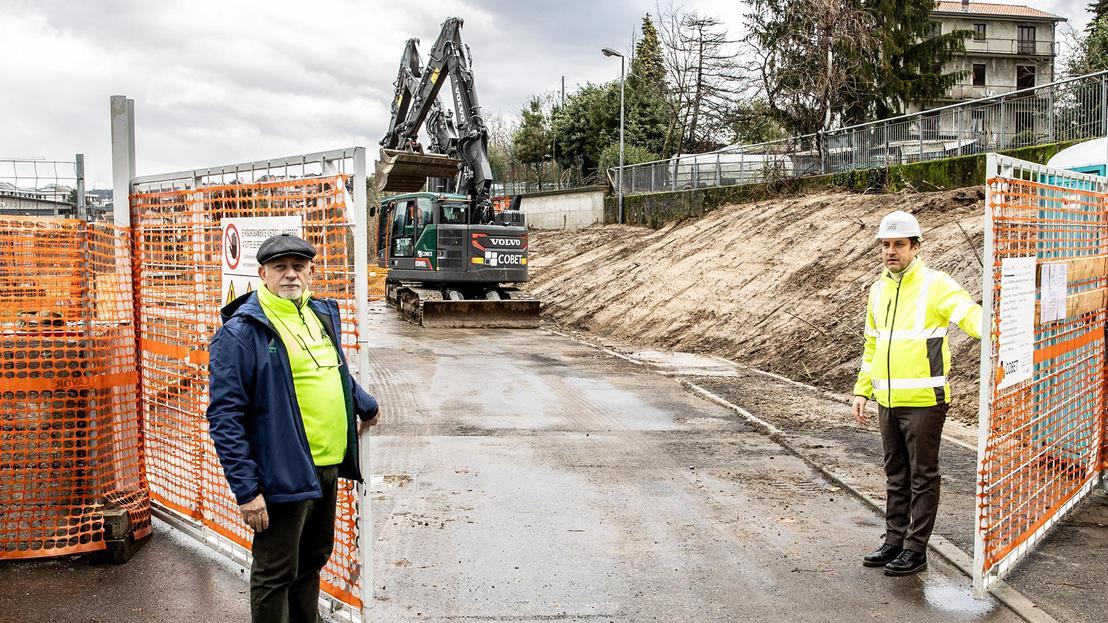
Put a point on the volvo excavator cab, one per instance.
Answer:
(449, 269)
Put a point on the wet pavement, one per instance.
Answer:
(523, 476)
(1066, 575)
(172, 579)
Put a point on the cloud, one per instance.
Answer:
(217, 82)
(221, 82)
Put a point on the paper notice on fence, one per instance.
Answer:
(1052, 293)
(241, 239)
(1017, 320)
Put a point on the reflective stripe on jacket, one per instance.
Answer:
(906, 360)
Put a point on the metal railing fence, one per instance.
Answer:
(1066, 110)
(518, 179)
(43, 187)
(995, 45)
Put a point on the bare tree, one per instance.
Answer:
(1086, 51)
(501, 153)
(704, 79)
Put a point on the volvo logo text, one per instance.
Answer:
(506, 242)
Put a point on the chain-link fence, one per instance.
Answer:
(518, 179)
(1061, 111)
(46, 188)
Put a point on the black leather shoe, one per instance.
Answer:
(883, 556)
(907, 563)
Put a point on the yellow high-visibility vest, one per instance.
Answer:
(906, 361)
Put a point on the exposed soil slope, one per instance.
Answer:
(780, 285)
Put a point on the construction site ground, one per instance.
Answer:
(628, 462)
(779, 285)
(523, 475)
(775, 293)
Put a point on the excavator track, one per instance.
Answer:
(428, 307)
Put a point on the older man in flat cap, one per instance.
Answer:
(282, 418)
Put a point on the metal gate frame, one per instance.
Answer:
(349, 161)
(998, 169)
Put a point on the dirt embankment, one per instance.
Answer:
(780, 285)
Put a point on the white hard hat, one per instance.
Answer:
(899, 224)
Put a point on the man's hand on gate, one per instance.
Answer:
(860, 410)
(370, 422)
(255, 515)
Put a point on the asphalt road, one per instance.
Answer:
(523, 476)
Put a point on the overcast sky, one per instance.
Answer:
(217, 82)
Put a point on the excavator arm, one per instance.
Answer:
(461, 136)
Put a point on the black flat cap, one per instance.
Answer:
(284, 244)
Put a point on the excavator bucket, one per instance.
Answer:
(405, 171)
(428, 307)
(481, 314)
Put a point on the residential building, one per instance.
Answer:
(1012, 47)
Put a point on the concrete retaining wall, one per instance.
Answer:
(564, 209)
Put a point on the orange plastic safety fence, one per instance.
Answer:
(70, 444)
(377, 276)
(1045, 434)
(178, 246)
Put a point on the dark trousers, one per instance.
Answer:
(911, 436)
(284, 578)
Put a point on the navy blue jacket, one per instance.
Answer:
(253, 417)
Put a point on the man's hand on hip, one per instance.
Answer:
(860, 410)
(255, 515)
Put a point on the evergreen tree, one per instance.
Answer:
(1096, 45)
(632, 154)
(587, 124)
(648, 70)
(531, 141)
(909, 66)
(1099, 8)
(647, 116)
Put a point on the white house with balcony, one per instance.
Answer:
(1012, 47)
(1009, 48)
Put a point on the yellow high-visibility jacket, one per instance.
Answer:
(906, 360)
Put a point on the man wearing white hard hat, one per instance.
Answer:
(905, 368)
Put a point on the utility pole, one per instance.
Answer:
(619, 190)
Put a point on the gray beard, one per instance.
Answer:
(294, 299)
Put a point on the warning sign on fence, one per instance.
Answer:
(241, 239)
(1017, 320)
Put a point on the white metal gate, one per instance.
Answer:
(1042, 415)
(175, 219)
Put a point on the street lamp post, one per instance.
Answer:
(619, 184)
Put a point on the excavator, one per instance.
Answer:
(452, 259)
